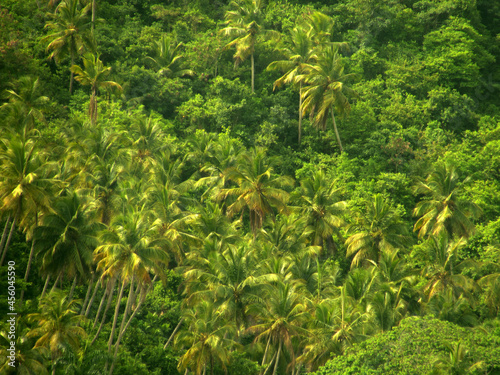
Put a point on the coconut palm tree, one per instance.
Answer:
(94, 74)
(24, 104)
(325, 89)
(378, 229)
(323, 208)
(207, 337)
(58, 325)
(66, 238)
(456, 362)
(29, 359)
(246, 24)
(442, 209)
(281, 316)
(25, 185)
(70, 34)
(258, 189)
(131, 250)
(166, 58)
(443, 267)
(297, 56)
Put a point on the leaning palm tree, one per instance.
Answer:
(94, 74)
(258, 189)
(442, 209)
(246, 23)
(325, 89)
(166, 58)
(70, 34)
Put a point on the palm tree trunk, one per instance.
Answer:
(87, 295)
(121, 331)
(300, 113)
(106, 292)
(253, 72)
(12, 228)
(71, 75)
(108, 304)
(173, 333)
(30, 260)
(115, 318)
(93, 16)
(265, 354)
(91, 302)
(4, 233)
(55, 282)
(45, 285)
(278, 357)
(72, 291)
(336, 131)
(270, 363)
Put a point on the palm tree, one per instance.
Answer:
(58, 325)
(94, 74)
(29, 359)
(456, 363)
(24, 104)
(131, 250)
(325, 90)
(66, 238)
(70, 33)
(443, 267)
(258, 189)
(297, 56)
(281, 315)
(208, 338)
(231, 280)
(166, 58)
(442, 209)
(24, 187)
(245, 23)
(379, 229)
(322, 207)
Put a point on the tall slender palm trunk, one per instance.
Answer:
(91, 302)
(253, 72)
(12, 228)
(108, 304)
(278, 357)
(336, 131)
(45, 286)
(300, 113)
(71, 77)
(4, 233)
(87, 295)
(265, 354)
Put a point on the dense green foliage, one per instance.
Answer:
(251, 187)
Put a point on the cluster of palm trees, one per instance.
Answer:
(312, 60)
(114, 210)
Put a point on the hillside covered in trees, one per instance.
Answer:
(248, 188)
